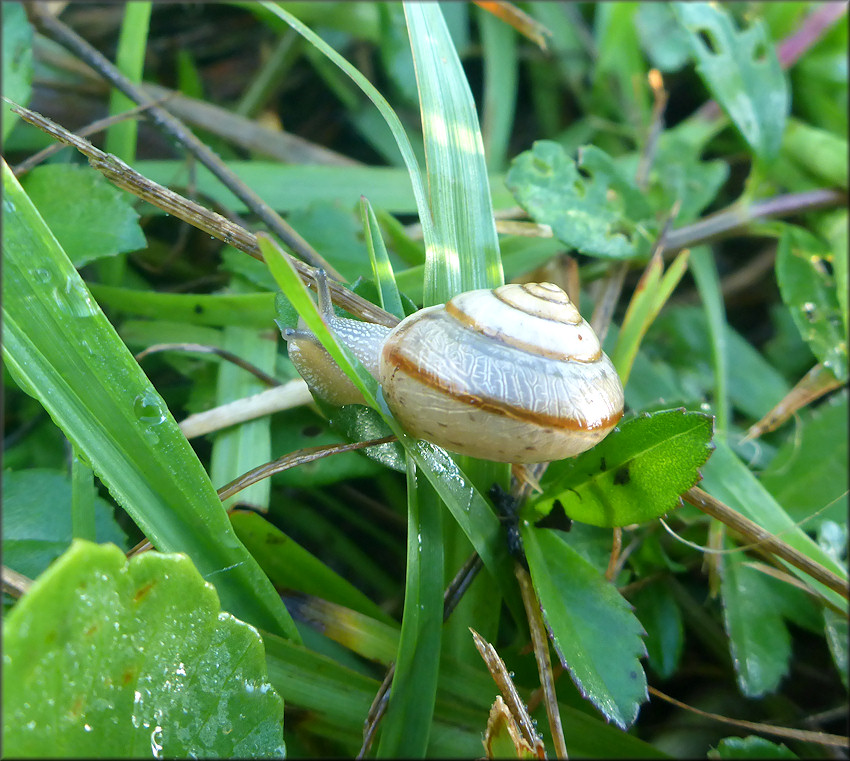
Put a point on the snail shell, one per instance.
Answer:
(511, 375)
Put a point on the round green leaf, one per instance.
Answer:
(105, 658)
(635, 475)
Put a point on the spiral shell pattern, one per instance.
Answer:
(512, 375)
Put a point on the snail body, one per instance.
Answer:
(511, 375)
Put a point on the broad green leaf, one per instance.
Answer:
(63, 351)
(297, 187)
(661, 618)
(292, 567)
(90, 217)
(728, 479)
(635, 475)
(579, 604)
(103, 658)
(759, 641)
(808, 474)
(807, 284)
(465, 251)
(751, 746)
(678, 175)
(600, 215)
(17, 62)
(741, 71)
(37, 519)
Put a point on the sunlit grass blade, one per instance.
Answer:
(62, 350)
(381, 265)
(466, 250)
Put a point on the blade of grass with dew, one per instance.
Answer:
(406, 727)
(381, 103)
(381, 265)
(63, 351)
(465, 254)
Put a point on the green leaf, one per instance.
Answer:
(37, 519)
(803, 271)
(636, 474)
(17, 62)
(62, 350)
(600, 215)
(809, 471)
(104, 658)
(90, 217)
(751, 746)
(758, 638)
(661, 618)
(741, 71)
(579, 604)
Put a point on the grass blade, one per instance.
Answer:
(61, 349)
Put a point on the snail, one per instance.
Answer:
(512, 375)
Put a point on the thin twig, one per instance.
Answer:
(292, 460)
(804, 735)
(90, 129)
(752, 532)
(229, 356)
(540, 642)
(738, 217)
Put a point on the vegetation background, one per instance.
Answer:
(720, 130)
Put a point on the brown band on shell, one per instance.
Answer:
(400, 362)
(527, 346)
